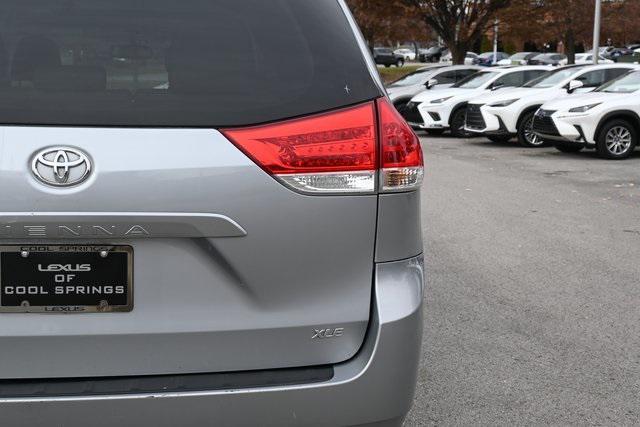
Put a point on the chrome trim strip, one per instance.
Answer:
(112, 225)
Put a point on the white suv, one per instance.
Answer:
(501, 116)
(607, 119)
(439, 110)
(431, 77)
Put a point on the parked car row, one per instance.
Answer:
(437, 111)
(572, 107)
(607, 119)
(489, 59)
(469, 59)
(615, 53)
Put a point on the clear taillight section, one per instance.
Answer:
(337, 152)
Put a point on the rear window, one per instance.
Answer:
(203, 63)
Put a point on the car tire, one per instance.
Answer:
(400, 63)
(567, 147)
(500, 139)
(458, 119)
(526, 137)
(617, 140)
(387, 65)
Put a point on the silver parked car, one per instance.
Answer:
(199, 228)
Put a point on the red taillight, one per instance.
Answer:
(326, 153)
(335, 152)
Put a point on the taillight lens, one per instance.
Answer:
(402, 163)
(337, 152)
(328, 153)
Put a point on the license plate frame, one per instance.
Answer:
(70, 258)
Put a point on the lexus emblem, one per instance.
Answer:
(61, 166)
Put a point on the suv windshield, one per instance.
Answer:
(553, 78)
(476, 80)
(162, 63)
(415, 78)
(628, 83)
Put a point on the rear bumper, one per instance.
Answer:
(376, 386)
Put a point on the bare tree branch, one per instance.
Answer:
(460, 23)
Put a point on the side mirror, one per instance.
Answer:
(574, 85)
(497, 86)
(431, 83)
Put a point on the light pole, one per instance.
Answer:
(596, 31)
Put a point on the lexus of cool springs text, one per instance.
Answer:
(198, 227)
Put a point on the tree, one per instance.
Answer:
(460, 23)
(619, 21)
(545, 21)
(387, 21)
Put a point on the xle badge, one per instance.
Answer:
(327, 333)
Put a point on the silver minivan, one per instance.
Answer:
(210, 216)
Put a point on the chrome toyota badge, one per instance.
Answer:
(61, 166)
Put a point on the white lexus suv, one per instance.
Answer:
(438, 110)
(434, 77)
(608, 119)
(500, 116)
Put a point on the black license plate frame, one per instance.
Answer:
(66, 278)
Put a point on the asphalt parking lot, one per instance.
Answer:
(533, 292)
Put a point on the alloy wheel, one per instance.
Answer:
(530, 136)
(618, 140)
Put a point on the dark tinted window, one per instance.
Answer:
(175, 63)
(532, 74)
(463, 74)
(514, 79)
(613, 73)
(447, 77)
(593, 78)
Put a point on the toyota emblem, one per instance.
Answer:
(61, 166)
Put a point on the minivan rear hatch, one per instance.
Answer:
(231, 269)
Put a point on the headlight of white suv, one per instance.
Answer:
(503, 103)
(441, 100)
(584, 108)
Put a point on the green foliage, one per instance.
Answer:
(392, 74)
